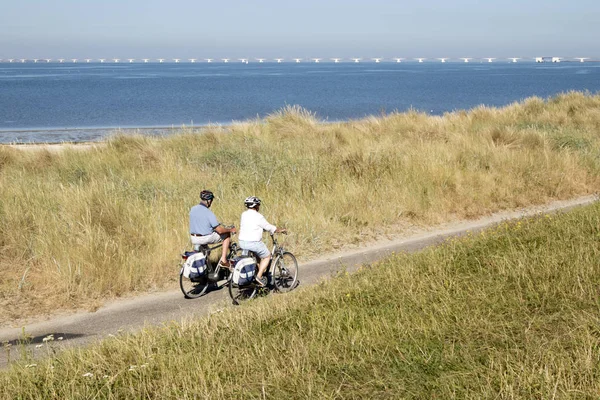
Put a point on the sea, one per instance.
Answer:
(53, 102)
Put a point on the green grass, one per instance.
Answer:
(511, 313)
(80, 226)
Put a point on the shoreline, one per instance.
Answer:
(107, 128)
(164, 131)
(54, 147)
(98, 134)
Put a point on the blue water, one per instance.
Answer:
(82, 102)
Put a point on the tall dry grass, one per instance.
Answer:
(77, 227)
(511, 313)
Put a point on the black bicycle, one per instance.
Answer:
(195, 287)
(282, 274)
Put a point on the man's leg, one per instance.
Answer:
(226, 241)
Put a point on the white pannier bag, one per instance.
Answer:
(244, 271)
(195, 266)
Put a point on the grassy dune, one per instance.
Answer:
(77, 227)
(511, 313)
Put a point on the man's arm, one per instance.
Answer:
(220, 229)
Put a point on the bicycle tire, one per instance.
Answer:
(240, 294)
(192, 290)
(284, 273)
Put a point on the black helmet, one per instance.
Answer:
(252, 202)
(206, 195)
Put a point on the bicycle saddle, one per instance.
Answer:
(205, 247)
(246, 252)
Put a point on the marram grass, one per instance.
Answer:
(511, 313)
(77, 227)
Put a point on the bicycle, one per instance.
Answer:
(194, 288)
(282, 274)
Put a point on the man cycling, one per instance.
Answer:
(205, 228)
(252, 226)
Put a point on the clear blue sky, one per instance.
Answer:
(307, 28)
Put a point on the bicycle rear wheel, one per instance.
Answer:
(285, 272)
(192, 290)
(240, 294)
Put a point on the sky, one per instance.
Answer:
(308, 28)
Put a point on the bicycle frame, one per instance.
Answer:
(278, 275)
(207, 249)
(277, 250)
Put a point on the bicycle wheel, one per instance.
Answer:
(285, 272)
(241, 293)
(192, 290)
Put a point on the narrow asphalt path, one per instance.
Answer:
(156, 309)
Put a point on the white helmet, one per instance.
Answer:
(252, 202)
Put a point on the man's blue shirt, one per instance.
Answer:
(202, 220)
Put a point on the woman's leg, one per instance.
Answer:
(262, 266)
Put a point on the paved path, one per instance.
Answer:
(155, 309)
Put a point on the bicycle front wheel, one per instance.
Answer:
(190, 289)
(285, 272)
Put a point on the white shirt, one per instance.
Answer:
(252, 226)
